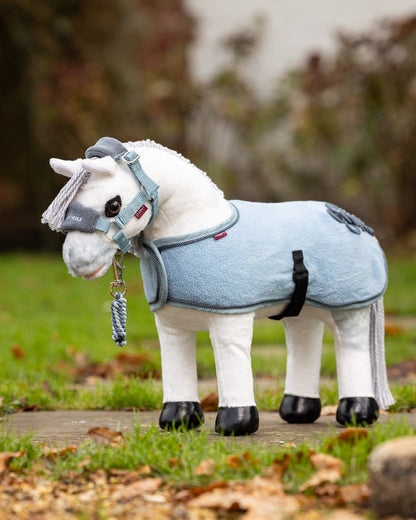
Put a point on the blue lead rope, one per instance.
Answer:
(119, 304)
(118, 319)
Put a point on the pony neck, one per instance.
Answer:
(188, 200)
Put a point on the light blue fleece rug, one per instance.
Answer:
(246, 263)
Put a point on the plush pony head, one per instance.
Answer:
(103, 187)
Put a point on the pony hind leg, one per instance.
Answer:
(181, 406)
(301, 402)
(357, 402)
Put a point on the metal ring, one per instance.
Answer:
(120, 285)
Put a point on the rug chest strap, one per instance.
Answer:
(300, 277)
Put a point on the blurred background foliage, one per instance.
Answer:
(74, 71)
(339, 127)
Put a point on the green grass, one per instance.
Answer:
(48, 319)
(400, 297)
(175, 456)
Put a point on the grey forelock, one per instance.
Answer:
(105, 146)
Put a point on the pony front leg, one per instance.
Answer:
(181, 408)
(231, 337)
(355, 385)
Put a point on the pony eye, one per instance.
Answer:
(113, 207)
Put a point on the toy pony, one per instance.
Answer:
(216, 265)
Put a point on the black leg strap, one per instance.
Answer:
(300, 277)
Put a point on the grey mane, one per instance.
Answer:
(148, 143)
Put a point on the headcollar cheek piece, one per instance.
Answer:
(81, 218)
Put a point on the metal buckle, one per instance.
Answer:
(129, 161)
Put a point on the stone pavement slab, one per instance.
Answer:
(70, 428)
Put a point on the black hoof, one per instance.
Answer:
(186, 415)
(296, 409)
(357, 410)
(238, 420)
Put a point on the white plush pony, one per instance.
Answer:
(215, 265)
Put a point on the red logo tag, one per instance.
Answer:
(220, 235)
(141, 211)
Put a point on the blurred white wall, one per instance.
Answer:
(292, 30)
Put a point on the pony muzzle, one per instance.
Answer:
(87, 255)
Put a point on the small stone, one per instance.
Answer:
(392, 468)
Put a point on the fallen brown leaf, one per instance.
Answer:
(333, 495)
(258, 499)
(391, 329)
(187, 494)
(327, 489)
(330, 469)
(236, 461)
(289, 445)
(226, 500)
(349, 435)
(175, 462)
(81, 359)
(103, 435)
(140, 365)
(117, 476)
(322, 476)
(145, 470)
(17, 351)
(7, 456)
(342, 514)
(210, 403)
(207, 467)
(354, 494)
(330, 409)
(84, 463)
(29, 408)
(279, 467)
(233, 461)
(324, 461)
(138, 488)
(53, 453)
(264, 485)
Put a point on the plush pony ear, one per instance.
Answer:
(101, 166)
(66, 168)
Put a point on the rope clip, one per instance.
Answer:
(119, 285)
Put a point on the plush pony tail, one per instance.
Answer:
(382, 392)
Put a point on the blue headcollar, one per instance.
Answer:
(87, 220)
